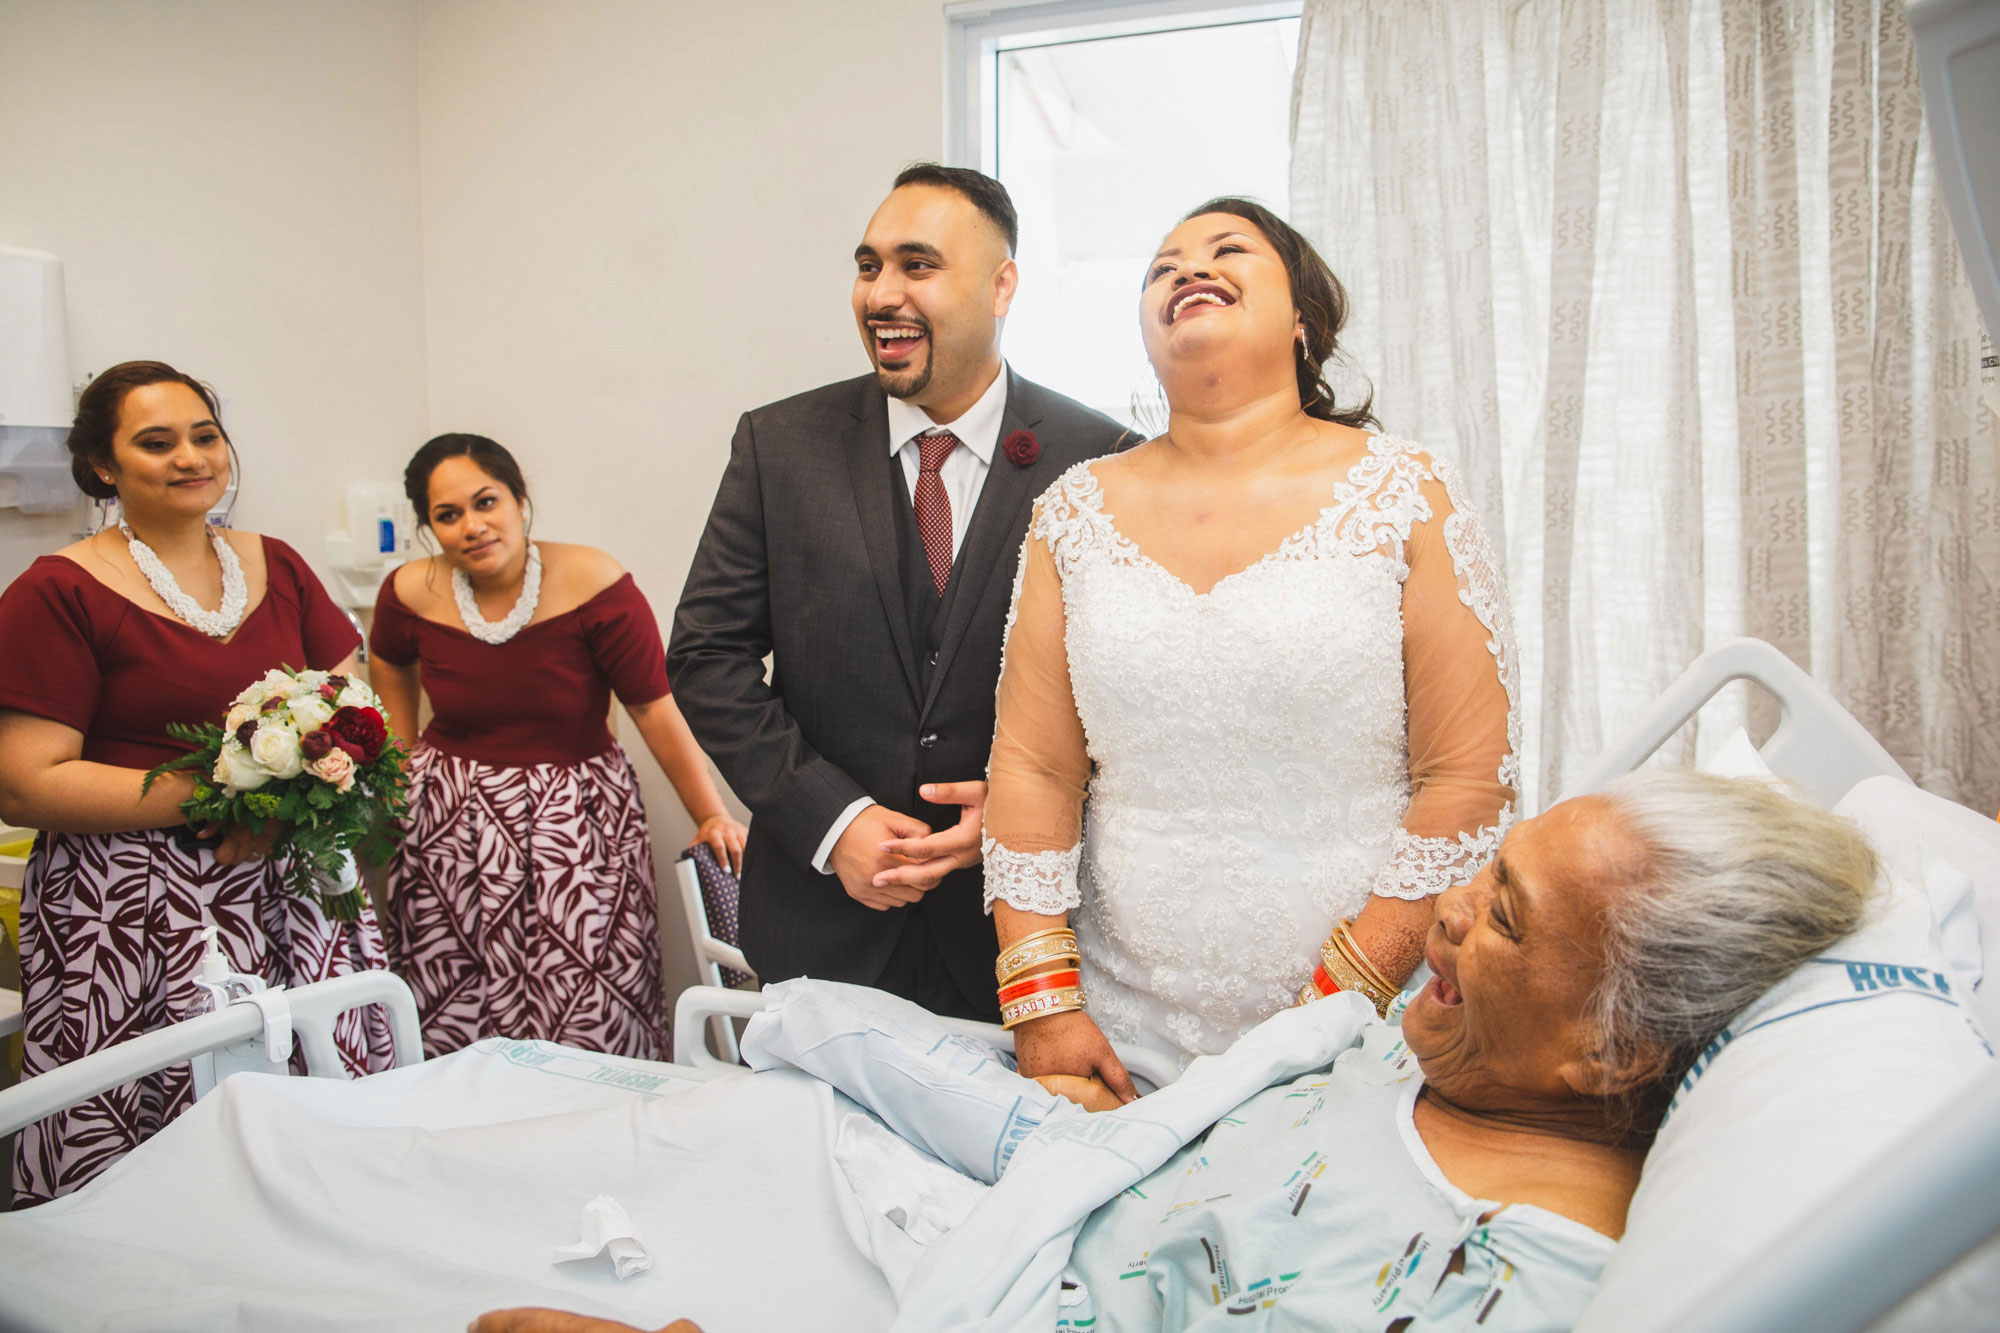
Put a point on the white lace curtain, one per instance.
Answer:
(1671, 280)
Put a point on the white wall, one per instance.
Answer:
(597, 231)
(232, 187)
(639, 222)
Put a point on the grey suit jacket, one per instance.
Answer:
(800, 561)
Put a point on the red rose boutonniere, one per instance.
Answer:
(1021, 448)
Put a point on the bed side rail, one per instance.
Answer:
(243, 1026)
(1818, 744)
(698, 1004)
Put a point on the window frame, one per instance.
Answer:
(976, 32)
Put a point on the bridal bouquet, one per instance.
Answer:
(310, 750)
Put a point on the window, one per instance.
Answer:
(1107, 122)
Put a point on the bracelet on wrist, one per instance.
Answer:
(1044, 946)
(1048, 981)
(1343, 966)
(1041, 1005)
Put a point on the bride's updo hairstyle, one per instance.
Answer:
(491, 457)
(1322, 305)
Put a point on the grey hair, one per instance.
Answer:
(1742, 884)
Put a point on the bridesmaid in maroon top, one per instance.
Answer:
(521, 899)
(160, 619)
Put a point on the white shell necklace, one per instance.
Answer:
(217, 624)
(499, 631)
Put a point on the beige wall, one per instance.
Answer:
(231, 186)
(639, 222)
(597, 231)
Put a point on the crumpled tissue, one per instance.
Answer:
(608, 1230)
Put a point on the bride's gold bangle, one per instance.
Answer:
(1039, 947)
(1350, 948)
(1346, 976)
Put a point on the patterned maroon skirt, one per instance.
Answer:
(521, 905)
(110, 942)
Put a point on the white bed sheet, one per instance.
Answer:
(418, 1198)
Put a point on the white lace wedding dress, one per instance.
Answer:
(1257, 759)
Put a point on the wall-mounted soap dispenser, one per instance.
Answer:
(35, 397)
(380, 526)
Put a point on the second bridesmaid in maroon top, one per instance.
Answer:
(522, 897)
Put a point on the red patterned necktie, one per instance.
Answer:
(933, 505)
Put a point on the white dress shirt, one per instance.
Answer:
(964, 475)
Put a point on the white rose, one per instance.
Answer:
(276, 681)
(310, 713)
(335, 767)
(276, 747)
(356, 695)
(236, 770)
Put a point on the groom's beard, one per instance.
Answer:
(906, 382)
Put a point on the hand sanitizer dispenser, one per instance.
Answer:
(35, 403)
(380, 527)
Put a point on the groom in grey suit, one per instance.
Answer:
(866, 536)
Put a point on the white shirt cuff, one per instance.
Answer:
(840, 824)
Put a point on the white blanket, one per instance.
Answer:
(419, 1198)
(1002, 1266)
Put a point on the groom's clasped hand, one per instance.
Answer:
(888, 859)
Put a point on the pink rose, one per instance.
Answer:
(335, 768)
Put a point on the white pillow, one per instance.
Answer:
(1825, 1072)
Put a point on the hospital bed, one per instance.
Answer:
(1932, 1201)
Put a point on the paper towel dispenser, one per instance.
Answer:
(35, 401)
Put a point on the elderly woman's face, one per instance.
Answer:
(1503, 1026)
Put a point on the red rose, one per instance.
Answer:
(1021, 448)
(360, 732)
(314, 745)
(245, 732)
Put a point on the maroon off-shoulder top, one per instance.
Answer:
(86, 656)
(543, 696)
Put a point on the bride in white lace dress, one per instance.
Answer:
(1259, 679)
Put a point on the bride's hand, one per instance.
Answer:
(1070, 1043)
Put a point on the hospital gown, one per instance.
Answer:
(1316, 1205)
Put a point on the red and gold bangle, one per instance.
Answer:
(1040, 1006)
(1044, 946)
(1020, 990)
(1345, 976)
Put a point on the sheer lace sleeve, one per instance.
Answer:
(1040, 769)
(1459, 674)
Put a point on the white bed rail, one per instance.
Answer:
(698, 1004)
(238, 1031)
(1817, 744)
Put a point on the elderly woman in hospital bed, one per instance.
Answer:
(1471, 1170)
